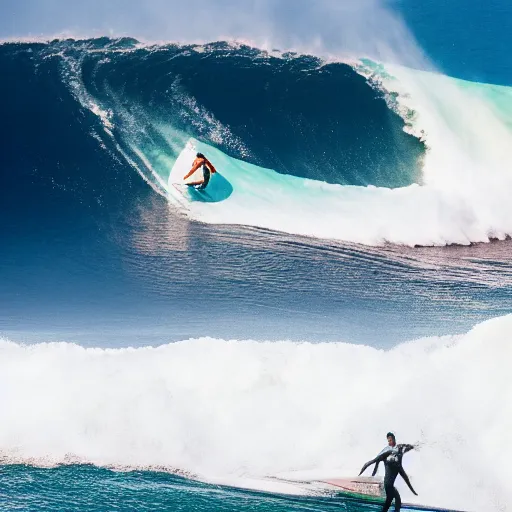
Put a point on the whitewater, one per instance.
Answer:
(236, 411)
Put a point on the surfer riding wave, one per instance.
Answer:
(392, 457)
(208, 170)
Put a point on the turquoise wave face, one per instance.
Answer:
(466, 129)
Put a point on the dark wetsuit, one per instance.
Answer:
(206, 176)
(207, 169)
(392, 457)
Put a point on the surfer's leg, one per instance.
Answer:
(389, 497)
(398, 500)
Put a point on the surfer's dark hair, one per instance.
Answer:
(390, 434)
(200, 155)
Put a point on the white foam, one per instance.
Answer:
(448, 209)
(232, 410)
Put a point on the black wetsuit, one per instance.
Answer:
(206, 177)
(392, 457)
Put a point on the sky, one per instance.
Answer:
(330, 24)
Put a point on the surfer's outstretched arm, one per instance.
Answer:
(376, 461)
(193, 170)
(403, 474)
(365, 466)
(407, 447)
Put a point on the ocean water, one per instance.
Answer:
(348, 273)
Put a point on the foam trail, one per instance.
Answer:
(369, 215)
(232, 410)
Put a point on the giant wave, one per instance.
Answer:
(356, 152)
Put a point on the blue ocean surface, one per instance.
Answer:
(78, 488)
(347, 272)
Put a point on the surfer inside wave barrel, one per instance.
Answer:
(207, 168)
(392, 457)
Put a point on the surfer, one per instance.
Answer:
(208, 170)
(392, 457)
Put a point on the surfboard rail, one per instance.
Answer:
(361, 486)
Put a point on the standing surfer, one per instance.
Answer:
(392, 457)
(208, 170)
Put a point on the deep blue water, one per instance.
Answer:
(466, 39)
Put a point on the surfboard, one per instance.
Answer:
(186, 191)
(370, 489)
(360, 487)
